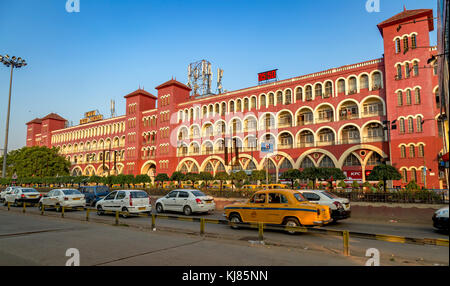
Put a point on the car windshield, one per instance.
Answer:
(139, 195)
(299, 197)
(330, 195)
(29, 191)
(71, 192)
(198, 194)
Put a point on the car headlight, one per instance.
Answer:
(442, 212)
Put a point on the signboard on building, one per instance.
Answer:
(266, 147)
(267, 76)
(91, 116)
(353, 176)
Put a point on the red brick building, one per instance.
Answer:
(334, 118)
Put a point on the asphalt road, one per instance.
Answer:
(220, 246)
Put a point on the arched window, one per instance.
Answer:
(421, 150)
(238, 105)
(399, 98)
(209, 168)
(262, 102)
(299, 94)
(374, 160)
(326, 162)
(328, 89)
(224, 108)
(410, 125)
(341, 86)
(408, 97)
(286, 164)
(288, 97)
(221, 167)
(231, 106)
(352, 85)
(376, 80)
(399, 71)
(306, 163)
(397, 46)
(318, 90)
(417, 95)
(405, 44)
(246, 104)
(279, 98)
(402, 125)
(437, 98)
(308, 93)
(271, 99)
(253, 103)
(413, 41)
(403, 151)
(404, 176)
(412, 151)
(407, 70)
(414, 175)
(419, 121)
(351, 160)
(416, 68)
(364, 82)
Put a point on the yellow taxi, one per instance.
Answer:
(274, 186)
(250, 187)
(279, 206)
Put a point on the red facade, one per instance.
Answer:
(334, 118)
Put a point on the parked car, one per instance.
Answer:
(282, 206)
(93, 194)
(125, 201)
(6, 191)
(23, 195)
(340, 207)
(440, 219)
(60, 198)
(186, 201)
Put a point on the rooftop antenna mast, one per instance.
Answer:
(200, 78)
(113, 108)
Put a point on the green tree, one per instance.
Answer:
(142, 179)
(291, 175)
(161, 178)
(206, 177)
(384, 173)
(258, 175)
(192, 177)
(222, 176)
(177, 176)
(95, 179)
(239, 178)
(36, 161)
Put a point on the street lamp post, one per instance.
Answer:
(14, 63)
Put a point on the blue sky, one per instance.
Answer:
(80, 61)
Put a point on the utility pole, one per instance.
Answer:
(14, 63)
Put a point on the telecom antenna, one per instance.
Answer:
(113, 108)
(200, 78)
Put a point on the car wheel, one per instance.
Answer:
(100, 210)
(187, 210)
(235, 219)
(159, 208)
(292, 222)
(125, 213)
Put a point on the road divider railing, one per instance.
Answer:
(261, 227)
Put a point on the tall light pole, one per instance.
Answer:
(14, 63)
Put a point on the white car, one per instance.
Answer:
(440, 219)
(59, 198)
(125, 201)
(23, 195)
(186, 201)
(5, 192)
(340, 207)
